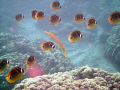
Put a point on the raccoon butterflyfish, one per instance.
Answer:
(55, 5)
(114, 18)
(54, 19)
(40, 15)
(4, 64)
(30, 61)
(14, 74)
(79, 18)
(33, 14)
(19, 17)
(45, 46)
(75, 36)
(57, 40)
(91, 23)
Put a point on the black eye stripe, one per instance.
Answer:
(78, 33)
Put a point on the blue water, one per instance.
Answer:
(88, 51)
(86, 48)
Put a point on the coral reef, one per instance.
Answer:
(112, 46)
(85, 78)
(17, 49)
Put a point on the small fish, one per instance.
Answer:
(30, 61)
(79, 18)
(19, 17)
(55, 5)
(3, 65)
(57, 40)
(91, 23)
(33, 14)
(47, 46)
(114, 18)
(75, 36)
(54, 19)
(40, 15)
(14, 74)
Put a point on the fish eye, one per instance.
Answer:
(118, 16)
(43, 46)
(44, 15)
(59, 18)
(34, 58)
(23, 16)
(88, 24)
(60, 6)
(7, 62)
(80, 35)
(10, 77)
(53, 46)
(95, 22)
(111, 18)
(21, 70)
(84, 18)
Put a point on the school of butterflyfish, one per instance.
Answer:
(17, 72)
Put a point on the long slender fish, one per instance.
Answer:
(57, 40)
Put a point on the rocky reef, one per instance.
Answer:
(84, 78)
(17, 49)
(112, 46)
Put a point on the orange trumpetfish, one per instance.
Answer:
(57, 40)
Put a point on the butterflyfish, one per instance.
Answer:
(55, 5)
(40, 15)
(79, 18)
(3, 65)
(75, 36)
(114, 18)
(14, 74)
(30, 61)
(19, 17)
(54, 19)
(91, 23)
(47, 46)
(33, 13)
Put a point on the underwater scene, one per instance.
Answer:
(59, 44)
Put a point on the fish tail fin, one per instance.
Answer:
(9, 80)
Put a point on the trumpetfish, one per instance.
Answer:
(57, 40)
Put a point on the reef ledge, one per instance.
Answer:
(84, 78)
